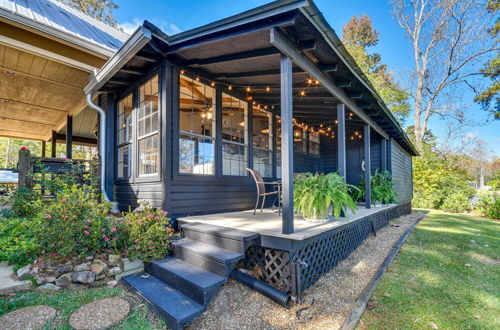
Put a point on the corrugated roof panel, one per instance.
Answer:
(62, 18)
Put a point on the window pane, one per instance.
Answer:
(234, 119)
(299, 139)
(262, 129)
(314, 143)
(197, 107)
(148, 155)
(125, 120)
(262, 162)
(124, 161)
(196, 155)
(234, 159)
(148, 107)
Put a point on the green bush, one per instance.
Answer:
(457, 202)
(489, 205)
(17, 241)
(381, 188)
(76, 224)
(148, 232)
(25, 203)
(314, 194)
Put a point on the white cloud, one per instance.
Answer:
(167, 27)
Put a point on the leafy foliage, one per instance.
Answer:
(98, 9)
(489, 205)
(25, 202)
(17, 241)
(381, 188)
(357, 36)
(148, 233)
(315, 193)
(456, 202)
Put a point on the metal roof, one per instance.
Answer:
(63, 22)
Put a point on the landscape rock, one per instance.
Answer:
(98, 268)
(64, 280)
(62, 269)
(100, 314)
(81, 267)
(83, 277)
(114, 259)
(100, 276)
(33, 317)
(129, 272)
(111, 284)
(76, 287)
(48, 287)
(44, 278)
(114, 271)
(24, 272)
(129, 265)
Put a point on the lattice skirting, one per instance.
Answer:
(316, 255)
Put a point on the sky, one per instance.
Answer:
(174, 16)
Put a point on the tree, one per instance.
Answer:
(449, 38)
(98, 9)
(358, 35)
(492, 71)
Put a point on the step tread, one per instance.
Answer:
(169, 300)
(208, 251)
(231, 233)
(198, 276)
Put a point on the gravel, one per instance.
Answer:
(100, 314)
(33, 317)
(326, 304)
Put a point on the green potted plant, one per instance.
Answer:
(381, 189)
(318, 196)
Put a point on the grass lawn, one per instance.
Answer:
(66, 302)
(446, 276)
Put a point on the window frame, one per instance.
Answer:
(271, 138)
(130, 143)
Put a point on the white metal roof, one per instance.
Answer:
(59, 20)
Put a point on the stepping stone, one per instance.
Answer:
(9, 283)
(33, 317)
(100, 314)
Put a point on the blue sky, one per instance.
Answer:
(174, 16)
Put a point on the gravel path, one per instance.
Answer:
(326, 304)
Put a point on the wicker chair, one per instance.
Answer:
(261, 190)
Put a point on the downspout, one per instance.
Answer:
(102, 141)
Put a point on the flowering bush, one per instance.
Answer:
(76, 224)
(148, 233)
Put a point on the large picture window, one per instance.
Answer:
(262, 142)
(147, 128)
(197, 127)
(124, 143)
(234, 136)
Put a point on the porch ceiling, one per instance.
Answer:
(36, 94)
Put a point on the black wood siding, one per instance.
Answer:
(128, 194)
(328, 148)
(401, 173)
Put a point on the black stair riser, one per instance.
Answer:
(188, 288)
(219, 241)
(202, 262)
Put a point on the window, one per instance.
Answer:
(262, 142)
(299, 139)
(234, 136)
(314, 143)
(124, 125)
(197, 127)
(147, 128)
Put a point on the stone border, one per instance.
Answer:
(360, 304)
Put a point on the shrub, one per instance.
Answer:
(17, 243)
(314, 194)
(148, 233)
(489, 205)
(76, 224)
(457, 202)
(25, 203)
(381, 188)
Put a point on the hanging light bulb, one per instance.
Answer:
(212, 84)
(268, 89)
(317, 82)
(182, 71)
(248, 90)
(265, 107)
(197, 78)
(309, 81)
(302, 93)
(336, 121)
(230, 87)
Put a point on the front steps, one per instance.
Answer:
(180, 287)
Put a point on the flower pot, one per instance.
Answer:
(317, 219)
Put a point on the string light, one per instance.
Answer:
(197, 78)
(248, 90)
(230, 87)
(212, 84)
(302, 93)
(268, 89)
(182, 71)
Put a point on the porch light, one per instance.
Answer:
(230, 87)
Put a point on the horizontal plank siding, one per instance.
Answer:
(128, 194)
(328, 149)
(401, 173)
(306, 163)
(375, 152)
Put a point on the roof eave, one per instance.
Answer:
(129, 49)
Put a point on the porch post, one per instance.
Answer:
(341, 158)
(287, 144)
(69, 137)
(383, 155)
(44, 148)
(368, 167)
(53, 142)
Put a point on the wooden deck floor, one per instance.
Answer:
(268, 223)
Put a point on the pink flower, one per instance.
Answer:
(66, 217)
(106, 239)
(89, 221)
(86, 232)
(102, 230)
(80, 204)
(114, 239)
(64, 200)
(137, 240)
(128, 222)
(48, 217)
(137, 247)
(85, 226)
(157, 218)
(150, 215)
(165, 212)
(103, 236)
(113, 229)
(152, 247)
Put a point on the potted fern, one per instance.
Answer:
(381, 189)
(318, 196)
